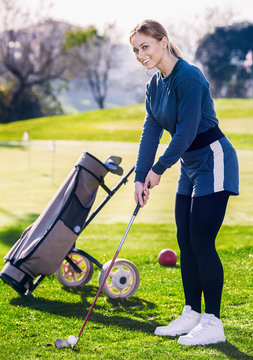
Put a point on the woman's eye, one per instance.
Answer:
(144, 47)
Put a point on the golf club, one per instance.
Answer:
(114, 168)
(73, 340)
(113, 158)
(112, 163)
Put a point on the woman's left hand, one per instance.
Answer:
(152, 179)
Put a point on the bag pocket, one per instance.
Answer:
(74, 215)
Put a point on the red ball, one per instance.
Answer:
(167, 257)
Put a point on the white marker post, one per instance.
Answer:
(26, 142)
(51, 148)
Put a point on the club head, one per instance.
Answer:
(114, 168)
(113, 158)
(62, 344)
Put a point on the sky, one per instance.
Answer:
(128, 13)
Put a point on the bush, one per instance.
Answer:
(31, 105)
(5, 111)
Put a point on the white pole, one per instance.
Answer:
(53, 162)
(26, 142)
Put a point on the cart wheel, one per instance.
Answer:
(123, 280)
(67, 276)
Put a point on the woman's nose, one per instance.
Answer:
(140, 55)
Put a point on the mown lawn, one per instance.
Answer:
(125, 123)
(123, 329)
(118, 329)
(30, 177)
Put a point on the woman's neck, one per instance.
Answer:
(167, 65)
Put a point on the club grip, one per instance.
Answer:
(136, 210)
(138, 206)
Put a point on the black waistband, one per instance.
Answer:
(206, 138)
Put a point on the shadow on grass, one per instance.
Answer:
(119, 304)
(13, 145)
(231, 351)
(10, 234)
(79, 310)
(174, 266)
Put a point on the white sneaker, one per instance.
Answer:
(187, 321)
(208, 331)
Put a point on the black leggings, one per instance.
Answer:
(198, 221)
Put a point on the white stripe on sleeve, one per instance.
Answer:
(218, 166)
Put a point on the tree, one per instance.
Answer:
(187, 34)
(31, 63)
(222, 54)
(14, 14)
(92, 58)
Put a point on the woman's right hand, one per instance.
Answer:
(141, 195)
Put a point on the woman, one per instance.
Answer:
(178, 100)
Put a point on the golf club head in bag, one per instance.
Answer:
(112, 163)
(114, 158)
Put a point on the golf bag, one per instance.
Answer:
(44, 244)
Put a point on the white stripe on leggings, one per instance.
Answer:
(218, 166)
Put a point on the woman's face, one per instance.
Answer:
(149, 51)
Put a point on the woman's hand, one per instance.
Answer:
(141, 195)
(152, 179)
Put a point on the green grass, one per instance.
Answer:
(234, 108)
(30, 177)
(124, 124)
(118, 329)
(123, 329)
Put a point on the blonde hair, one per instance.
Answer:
(155, 30)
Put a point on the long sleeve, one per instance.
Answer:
(190, 95)
(149, 142)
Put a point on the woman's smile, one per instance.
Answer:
(144, 62)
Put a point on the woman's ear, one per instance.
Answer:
(164, 42)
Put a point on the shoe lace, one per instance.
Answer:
(202, 326)
(183, 317)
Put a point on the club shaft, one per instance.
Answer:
(110, 268)
(98, 293)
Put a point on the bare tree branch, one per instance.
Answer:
(32, 56)
(93, 60)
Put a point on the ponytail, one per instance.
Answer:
(175, 50)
